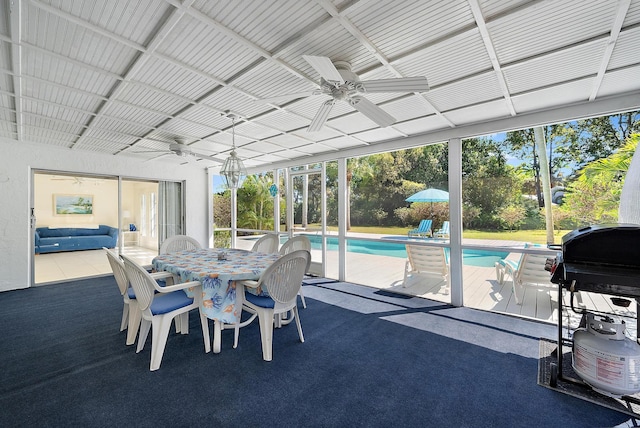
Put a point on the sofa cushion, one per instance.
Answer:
(49, 240)
(46, 232)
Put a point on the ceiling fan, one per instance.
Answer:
(76, 179)
(341, 84)
(180, 148)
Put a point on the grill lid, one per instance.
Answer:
(604, 244)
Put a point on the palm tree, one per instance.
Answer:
(630, 197)
(596, 194)
(255, 204)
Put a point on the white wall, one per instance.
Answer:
(104, 193)
(18, 159)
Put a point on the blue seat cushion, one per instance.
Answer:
(130, 293)
(262, 301)
(164, 303)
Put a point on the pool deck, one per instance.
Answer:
(481, 289)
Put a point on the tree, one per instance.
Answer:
(488, 182)
(594, 197)
(629, 210)
(255, 203)
(600, 137)
(521, 144)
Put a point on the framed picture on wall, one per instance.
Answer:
(72, 204)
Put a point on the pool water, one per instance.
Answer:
(480, 258)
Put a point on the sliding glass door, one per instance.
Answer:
(75, 215)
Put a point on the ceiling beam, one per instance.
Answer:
(621, 13)
(491, 52)
(15, 11)
(89, 26)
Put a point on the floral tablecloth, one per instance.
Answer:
(217, 276)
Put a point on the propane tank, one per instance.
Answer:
(605, 358)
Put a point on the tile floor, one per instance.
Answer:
(58, 267)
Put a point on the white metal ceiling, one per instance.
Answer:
(128, 77)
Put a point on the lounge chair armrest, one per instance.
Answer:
(510, 266)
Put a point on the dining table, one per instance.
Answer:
(219, 271)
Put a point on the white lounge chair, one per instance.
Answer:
(426, 261)
(528, 271)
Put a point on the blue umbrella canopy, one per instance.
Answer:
(429, 195)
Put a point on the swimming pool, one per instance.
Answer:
(480, 258)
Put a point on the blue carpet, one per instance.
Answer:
(368, 360)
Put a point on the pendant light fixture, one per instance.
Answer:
(233, 170)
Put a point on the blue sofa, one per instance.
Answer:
(75, 238)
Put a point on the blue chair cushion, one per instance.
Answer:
(130, 293)
(262, 301)
(165, 303)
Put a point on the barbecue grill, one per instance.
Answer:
(599, 259)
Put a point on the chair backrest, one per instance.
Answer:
(425, 225)
(531, 268)
(117, 266)
(141, 282)
(296, 243)
(179, 243)
(427, 259)
(283, 278)
(268, 243)
(443, 232)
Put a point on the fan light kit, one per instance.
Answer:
(233, 170)
(341, 84)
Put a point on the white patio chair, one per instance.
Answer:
(282, 281)
(158, 310)
(179, 243)
(528, 271)
(426, 261)
(294, 244)
(268, 243)
(130, 312)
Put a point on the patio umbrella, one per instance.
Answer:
(429, 195)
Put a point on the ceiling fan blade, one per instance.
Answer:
(372, 111)
(324, 67)
(284, 98)
(321, 116)
(150, 151)
(203, 156)
(403, 84)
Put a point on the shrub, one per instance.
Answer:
(512, 216)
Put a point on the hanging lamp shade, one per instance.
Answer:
(233, 170)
